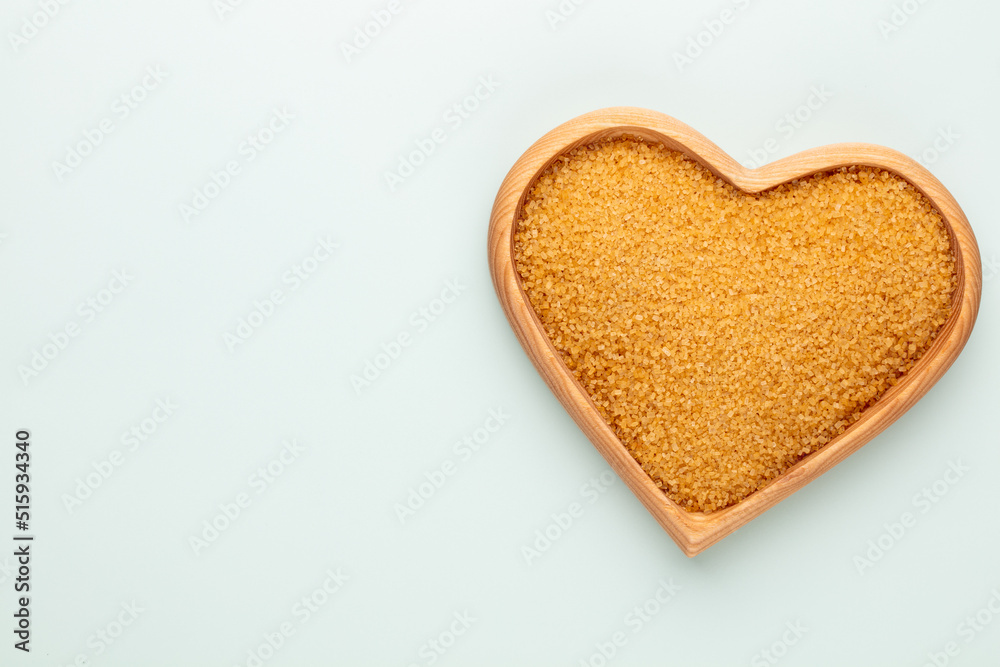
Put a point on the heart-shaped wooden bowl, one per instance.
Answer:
(695, 532)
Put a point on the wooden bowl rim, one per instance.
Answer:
(694, 532)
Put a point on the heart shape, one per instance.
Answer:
(783, 464)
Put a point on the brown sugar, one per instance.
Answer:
(725, 336)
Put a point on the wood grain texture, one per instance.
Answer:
(694, 532)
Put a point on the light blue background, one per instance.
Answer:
(334, 505)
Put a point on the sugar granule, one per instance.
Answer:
(725, 336)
